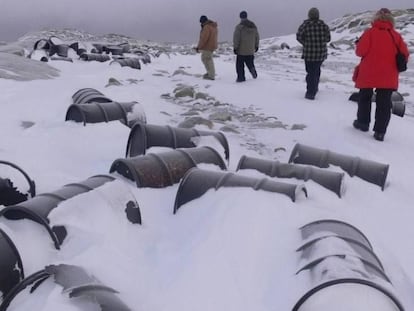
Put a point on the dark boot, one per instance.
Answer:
(360, 126)
(379, 136)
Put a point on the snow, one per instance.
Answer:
(23, 69)
(232, 248)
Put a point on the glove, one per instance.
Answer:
(235, 51)
(256, 48)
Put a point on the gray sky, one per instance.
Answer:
(170, 20)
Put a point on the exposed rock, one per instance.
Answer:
(26, 124)
(274, 47)
(229, 129)
(266, 124)
(198, 107)
(284, 45)
(162, 72)
(181, 72)
(166, 96)
(222, 115)
(298, 127)
(166, 113)
(190, 113)
(217, 103)
(200, 95)
(133, 81)
(184, 91)
(354, 23)
(193, 121)
(279, 149)
(113, 81)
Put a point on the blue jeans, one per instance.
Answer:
(241, 60)
(313, 73)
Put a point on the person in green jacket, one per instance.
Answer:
(245, 44)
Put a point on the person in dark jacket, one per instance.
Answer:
(377, 48)
(207, 44)
(314, 35)
(245, 44)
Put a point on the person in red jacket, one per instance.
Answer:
(377, 48)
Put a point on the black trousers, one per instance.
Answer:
(241, 60)
(383, 108)
(313, 73)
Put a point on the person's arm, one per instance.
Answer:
(257, 40)
(300, 34)
(204, 35)
(362, 47)
(236, 38)
(327, 34)
(402, 46)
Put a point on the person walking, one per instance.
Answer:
(314, 35)
(245, 44)
(207, 44)
(377, 48)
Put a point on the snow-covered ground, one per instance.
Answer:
(230, 249)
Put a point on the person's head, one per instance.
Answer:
(313, 13)
(203, 19)
(243, 14)
(384, 14)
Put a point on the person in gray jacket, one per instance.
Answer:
(245, 44)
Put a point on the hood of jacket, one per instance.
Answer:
(313, 21)
(210, 23)
(248, 23)
(382, 24)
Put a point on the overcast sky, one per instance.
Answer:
(170, 20)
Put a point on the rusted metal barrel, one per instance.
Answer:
(398, 109)
(334, 227)
(128, 62)
(89, 95)
(10, 194)
(126, 47)
(367, 170)
(397, 100)
(76, 283)
(114, 49)
(94, 57)
(36, 277)
(65, 59)
(158, 170)
(127, 113)
(328, 179)
(144, 136)
(59, 49)
(97, 48)
(11, 267)
(146, 58)
(43, 44)
(341, 269)
(38, 208)
(398, 105)
(196, 182)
